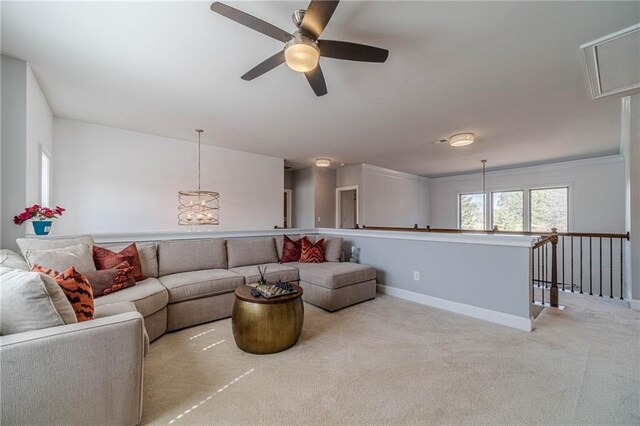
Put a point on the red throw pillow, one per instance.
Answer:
(291, 250)
(107, 259)
(107, 281)
(312, 253)
(76, 287)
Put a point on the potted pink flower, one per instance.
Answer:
(40, 217)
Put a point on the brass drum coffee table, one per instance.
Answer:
(266, 326)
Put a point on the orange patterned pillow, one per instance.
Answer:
(107, 259)
(312, 253)
(76, 287)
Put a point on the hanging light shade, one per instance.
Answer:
(198, 207)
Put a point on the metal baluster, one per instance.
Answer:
(539, 265)
(562, 262)
(572, 280)
(600, 267)
(590, 266)
(533, 271)
(544, 266)
(621, 268)
(611, 267)
(545, 284)
(580, 265)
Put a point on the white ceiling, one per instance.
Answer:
(511, 72)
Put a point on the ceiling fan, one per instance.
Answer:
(302, 49)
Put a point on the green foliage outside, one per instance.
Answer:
(471, 206)
(549, 209)
(508, 211)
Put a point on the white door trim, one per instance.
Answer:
(338, 201)
(289, 193)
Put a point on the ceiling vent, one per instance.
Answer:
(613, 63)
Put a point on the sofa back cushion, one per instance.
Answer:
(147, 252)
(31, 301)
(79, 256)
(12, 260)
(176, 256)
(255, 251)
(52, 243)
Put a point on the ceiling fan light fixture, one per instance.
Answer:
(461, 139)
(323, 162)
(301, 54)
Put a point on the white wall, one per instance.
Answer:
(303, 195)
(39, 133)
(596, 191)
(391, 198)
(114, 180)
(14, 130)
(630, 147)
(325, 197)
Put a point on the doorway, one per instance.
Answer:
(287, 222)
(347, 209)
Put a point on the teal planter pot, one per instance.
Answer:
(42, 227)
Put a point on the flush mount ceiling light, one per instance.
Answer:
(461, 139)
(323, 162)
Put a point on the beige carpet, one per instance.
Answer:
(390, 361)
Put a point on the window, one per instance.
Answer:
(45, 178)
(471, 211)
(549, 209)
(507, 210)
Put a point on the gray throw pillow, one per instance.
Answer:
(79, 256)
(46, 243)
(31, 301)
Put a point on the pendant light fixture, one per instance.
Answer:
(198, 207)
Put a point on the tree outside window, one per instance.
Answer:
(508, 210)
(549, 209)
(471, 207)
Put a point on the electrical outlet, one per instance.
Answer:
(416, 275)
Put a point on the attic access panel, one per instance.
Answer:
(613, 63)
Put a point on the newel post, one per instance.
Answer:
(553, 292)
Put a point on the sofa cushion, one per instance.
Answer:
(280, 243)
(255, 251)
(291, 250)
(12, 260)
(176, 256)
(107, 259)
(79, 256)
(198, 284)
(148, 253)
(312, 252)
(332, 246)
(76, 287)
(149, 296)
(51, 243)
(334, 274)
(275, 272)
(110, 280)
(31, 301)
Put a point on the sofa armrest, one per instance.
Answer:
(84, 373)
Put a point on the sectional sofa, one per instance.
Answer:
(188, 282)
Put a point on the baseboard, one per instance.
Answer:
(634, 304)
(524, 324)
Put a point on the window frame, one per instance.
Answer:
(44, 153)
(525, 206)
(486, 217)
(542, 188)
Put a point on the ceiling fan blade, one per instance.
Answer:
(351, 51)
(264, 66)
(316, 80)
(317, 16)
(251, 22)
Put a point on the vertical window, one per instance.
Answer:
(471, 211)
(45, 179)
(507, 210)
(549, 209)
